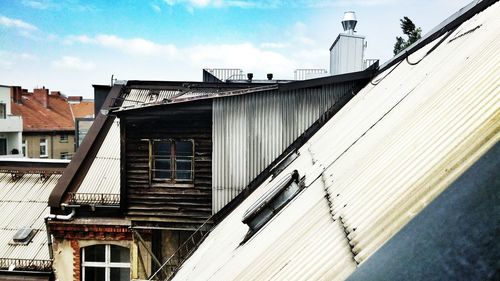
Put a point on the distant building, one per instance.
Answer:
(11, 126)
(48, 121)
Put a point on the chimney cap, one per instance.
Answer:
(349, 22)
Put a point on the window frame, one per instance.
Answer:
(173, 163)
(64, 138)
(3, 110)
(64, 155)
(45, 143)
(106, 264)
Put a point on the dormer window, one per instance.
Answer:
(271, 203)
(172, 160)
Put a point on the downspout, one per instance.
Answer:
(55, 217)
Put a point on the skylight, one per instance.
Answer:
(271, 203)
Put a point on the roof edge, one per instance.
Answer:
(346, 77)
(90, 143)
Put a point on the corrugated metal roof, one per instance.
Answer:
(373, 167)
(23, 203)
(252, 130)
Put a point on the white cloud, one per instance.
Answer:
(17, 23)
(134, 46)
(156, 8)
(273, 45)
(73, 63)
(191, 4)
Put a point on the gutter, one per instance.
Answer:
(49, 217)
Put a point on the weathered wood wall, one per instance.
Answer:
(182, 205)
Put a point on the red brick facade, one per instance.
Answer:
(75, 233)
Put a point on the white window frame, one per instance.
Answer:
(107, 264)
(46, 144)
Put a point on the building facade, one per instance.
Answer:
(11, 126)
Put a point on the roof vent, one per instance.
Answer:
(250, 76)
(349, 22)
(271, 203)
(23, 236)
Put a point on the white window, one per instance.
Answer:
(105, 263)
(64, 155)
(25, 149)
(43, 147)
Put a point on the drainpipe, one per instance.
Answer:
(55, 217)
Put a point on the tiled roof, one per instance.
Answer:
(37, 118)
(83, 109)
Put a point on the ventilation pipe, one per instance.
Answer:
(349, 22)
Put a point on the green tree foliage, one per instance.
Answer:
(411, 31)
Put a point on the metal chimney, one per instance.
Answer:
(349, 22)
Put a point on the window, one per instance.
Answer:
(3, 113)
(43, 147)
(105, 263)
(172, 160)
(63, 138)
(3, 146)
(25, 148)
(64, 155)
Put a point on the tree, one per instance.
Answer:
(410, 30)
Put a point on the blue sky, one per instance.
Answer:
(68, 45)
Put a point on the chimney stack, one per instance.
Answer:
(42, 96)
(17, 94)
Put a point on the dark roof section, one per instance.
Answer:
(454, 238)
(317, 82)
(86, 152)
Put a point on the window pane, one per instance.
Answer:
(119, 274)
(94, 253)
(162, 168)
(184, 148)
(162, 148)
(183, 168)
(95, 274)
(119, 254)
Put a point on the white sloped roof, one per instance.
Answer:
(373, 167)
(23, 203)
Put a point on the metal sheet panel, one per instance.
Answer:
(250, 131)
(23, 203)
(347, 54)
(374, 166)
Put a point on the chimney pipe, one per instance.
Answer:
(349, 22)
(269, 76)
(250, 76)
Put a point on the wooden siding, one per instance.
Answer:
(174, 204)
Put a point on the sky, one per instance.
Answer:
(68, 45)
